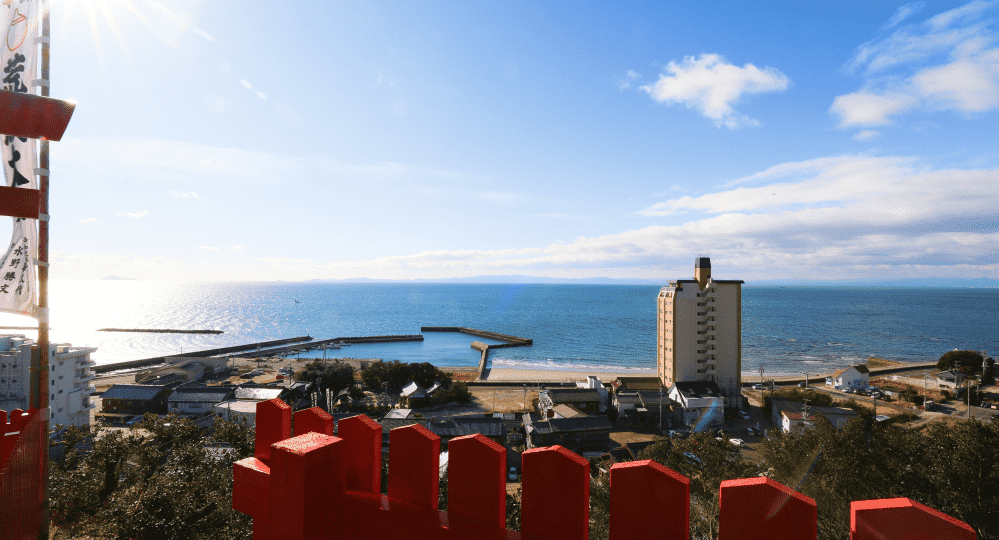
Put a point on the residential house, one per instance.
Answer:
(857, 376)
(197, 400)
(791, 414)
(587, 400)
(952, 379)
(577, 434)
(414, 396)
(700, 404)
(631, 384)
(593, 383)
(122, 401)
(643, 406)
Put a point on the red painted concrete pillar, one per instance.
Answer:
(414, 465)
(273, 424)
(307, 486)
(476, 487)
(752, 508)
(904, 519)
(364, 443)
(314, 420)
(648, 500)
(251, 481)
(555, 502)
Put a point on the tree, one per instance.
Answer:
(969, 362)
(706, 461)
(951, 468)
(329, 377)
(173, 482)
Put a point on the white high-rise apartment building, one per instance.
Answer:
(700, 331)
(70, 379)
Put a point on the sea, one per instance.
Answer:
(787, 330)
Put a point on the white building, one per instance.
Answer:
(70, 379)
(790, 415)
(700, 332)
(852, 377)
(701, 405)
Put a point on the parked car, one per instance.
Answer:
(134, 420)
(743, 415)
(801, 385)
(512, 475)
(737, 442)
(757, 387)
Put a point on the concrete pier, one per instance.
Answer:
(147, 362)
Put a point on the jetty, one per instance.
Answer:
(160, 331)
(483, 348)
(334, 342)
(149, 362)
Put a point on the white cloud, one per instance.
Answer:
(866, 135)
(136, 215)
(261, 95)
(246, 84)
(870, 109)
(710, 85)
(185, 194)
(88, 220)
(948, 62)
(902, 14)
(626, 82)
(209, 248)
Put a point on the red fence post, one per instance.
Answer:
(364, 452)
(23, 442)
(314, 420)
(555, 497)
(251, 481)
(648, 500)
(307, 484)
(752, 508)
(476, 480)
(904, 518)
(414, 465)
(273, 424)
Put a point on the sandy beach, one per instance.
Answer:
(542, 376)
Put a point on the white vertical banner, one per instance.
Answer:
(18, 62)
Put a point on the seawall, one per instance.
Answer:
(132, 364)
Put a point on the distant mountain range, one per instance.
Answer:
(984, 283)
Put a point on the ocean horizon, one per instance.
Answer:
(575, 327)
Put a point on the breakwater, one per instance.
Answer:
(511, 341)
(483, 348)
(160, 331)
(147, 362)
(334, 343)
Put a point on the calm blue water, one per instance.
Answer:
(790, 329)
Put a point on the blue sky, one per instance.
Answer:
(298, 140)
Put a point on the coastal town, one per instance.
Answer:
(603, 416)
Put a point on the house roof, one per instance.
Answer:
(637, 383)
(950, 375)
(572, 395)
(568, 425)
(794, 410)
(861, 368)
(260, 393)
(413, 390)
(137, 392)
(399, 413)
(698, 389)
(200, 394)
(566, 411)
